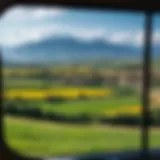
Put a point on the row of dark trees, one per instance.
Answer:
(83, 118)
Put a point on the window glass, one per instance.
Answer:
(155, 85)
(72, 80)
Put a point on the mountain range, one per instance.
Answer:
(70, 50)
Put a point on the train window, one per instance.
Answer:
(72, 80)
(154, 141)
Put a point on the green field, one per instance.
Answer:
(30, 83)
(22, 83)
(31, 137)
(92, 107)
(39, 138)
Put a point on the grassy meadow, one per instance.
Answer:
(38, 138)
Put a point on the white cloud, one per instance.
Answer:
(46, 12)
(156, 38)
(14, 34)
(17, 36)
(139, 38)
(128, 38)
(86, 34)
(27, 14)
(120, 38)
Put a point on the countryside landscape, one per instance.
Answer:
(77, 109)
(68, 96)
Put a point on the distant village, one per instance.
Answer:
(90, 77)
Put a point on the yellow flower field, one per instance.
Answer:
(72, 93)
(133, 110)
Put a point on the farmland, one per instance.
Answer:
(91, 107)
(47, 113)
(74, 99)
(28, 89)
(72, 93)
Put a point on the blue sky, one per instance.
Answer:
(20, 25)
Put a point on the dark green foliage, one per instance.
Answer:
(29, 109)
(56, 99)
(127, 120)
(122, 120)
(125, 91)
(82, 97)
(156, 116)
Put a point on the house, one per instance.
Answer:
(133, 79)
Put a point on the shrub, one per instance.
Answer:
(122, 120)
(106, 120)
(83, 118)
(82, 97)
(125, 91)
(127, 120)
(56, 99)
(11, 109)
(155, 116)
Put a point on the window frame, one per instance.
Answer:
(146, 68)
